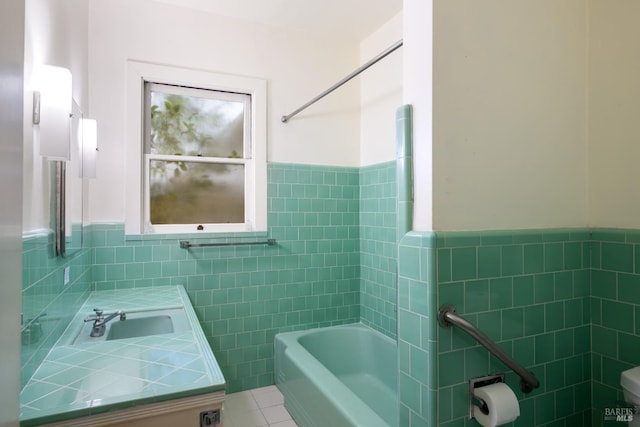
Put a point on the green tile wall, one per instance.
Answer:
(418, 388)
(615, 314)
(529, 292)
(378, 247)
(404, 169)
(47, 304)
(244, 295)
(565, 303)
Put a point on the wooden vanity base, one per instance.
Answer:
(179, 412)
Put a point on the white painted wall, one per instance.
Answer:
(509, 114)
(614, 112)
(418, 91)
(510, 104)
(297, 68)
(55, 34)
(380, 94)
(11, 87)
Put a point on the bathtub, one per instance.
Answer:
(338, 376)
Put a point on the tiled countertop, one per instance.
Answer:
(89, 378)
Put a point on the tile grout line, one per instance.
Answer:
(256, 402)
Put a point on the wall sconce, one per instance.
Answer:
(51, 111)
(88, 130)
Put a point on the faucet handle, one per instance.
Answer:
(97, 316)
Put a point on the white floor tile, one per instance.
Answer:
(240, 402)
(261, 407)
(267, 389)
(228, 422)
(249, 419)
(276, 414)
(269, 398)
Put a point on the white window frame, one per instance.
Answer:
(255, 201)
(246, 161)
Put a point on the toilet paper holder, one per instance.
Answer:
(481, 382)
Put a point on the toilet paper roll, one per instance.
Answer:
(502, 404)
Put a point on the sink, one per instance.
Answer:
(140, 327)
(138, 324)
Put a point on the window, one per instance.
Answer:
(201, 161)
(197, 158)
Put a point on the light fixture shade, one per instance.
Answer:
(89, 138)
(54, 84)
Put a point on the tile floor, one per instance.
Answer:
(260, 407)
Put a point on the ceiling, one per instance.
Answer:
(349, 19)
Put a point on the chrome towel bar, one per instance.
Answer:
(447, 316)
(185, 244)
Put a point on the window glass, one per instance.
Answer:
(196, 193)
(196, 146)
(187, 124)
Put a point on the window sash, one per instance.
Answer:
(191, 228)
(218, 95)
(246, 160)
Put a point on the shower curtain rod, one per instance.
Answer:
(343, 81)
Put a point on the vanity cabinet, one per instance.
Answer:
(158, 369)
(180, 412)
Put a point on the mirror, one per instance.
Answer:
(67, 193)
(74, 186)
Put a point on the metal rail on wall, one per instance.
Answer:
(371, 62)
(447, 316)
(185, 244)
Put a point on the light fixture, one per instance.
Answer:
(88, 130)
(51, 111)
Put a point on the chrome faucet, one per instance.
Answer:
(100, 321)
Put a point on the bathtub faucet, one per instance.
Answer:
(99, 321)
